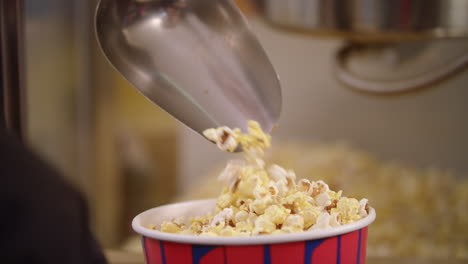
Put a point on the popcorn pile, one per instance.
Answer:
(405, 196)
(266, 199)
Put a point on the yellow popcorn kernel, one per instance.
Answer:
(363, 207)
(245, 204)
(234, 209)
(241, 216)
(255, 138)
(260, 192)
(228, 231)
(335, 219)
(277, 214)
(277, 173)
(259, 206)
(305, 186)
(195, 227)
(224, 201)
(348, 208)
(244, 226)
(209, 234)
(282, 187)
(272, 189)
(246, 186)
(203, 220)
(319, 187)
(264, 225)
(293, 223)
(180, 221)
(222, 217)
(170, 227)
(252, 217)
(296, 201)
(215, 228)
(290, 199)
(310, 215)
(278, 231)
(334, 195)
(239, 203)
(303, 203)
(264, 178)
(211, 134)
(224, 138)
(322, 200)
(291, 179)
(231, 174)
(323, 221)
(151, 226)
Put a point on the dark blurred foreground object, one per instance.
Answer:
(44, 220)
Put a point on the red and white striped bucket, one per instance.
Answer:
(345, 244)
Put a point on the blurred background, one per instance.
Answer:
(406, 152)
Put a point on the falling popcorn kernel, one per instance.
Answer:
(261, 198)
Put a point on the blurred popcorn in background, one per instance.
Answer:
(420, 212)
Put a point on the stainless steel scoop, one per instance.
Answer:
(197, 59)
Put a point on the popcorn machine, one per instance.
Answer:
(377, 25)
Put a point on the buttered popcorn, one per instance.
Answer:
(261, 198)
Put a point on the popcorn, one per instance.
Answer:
(437, 194)
(231, 174)
(335, 219)
(291, 179)
(323, 221)
(223, 136)
(296, 201)
(319, 187)
(260, 192)
(323, 200)
(170, 227)
(363, 207)
(223, 216)
(348, 208)
(304, 185)
(277, 173)
(336, 195)
(241, 216)
(195, 227)
(228, 231)
(266, 199)
(310, 215)
(282, 187)
(272, 189)
(277, 214)
(180, 221)
(263, 225)
(244, 227)
(224, 200)
(332, 205)
(293, 223)
(258, 206)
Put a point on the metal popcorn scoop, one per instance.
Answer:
(197, 59)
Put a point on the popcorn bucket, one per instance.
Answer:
(344, 244)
